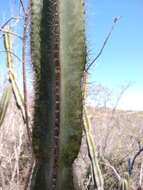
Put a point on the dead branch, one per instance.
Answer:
(108, 164)
(8, 21)
(134, 159)
(12, 33)
(22, 5)
(112, 115)
(104, 44)
(12, 53)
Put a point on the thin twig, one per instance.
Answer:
(109, 127)
(22, 5)
(125, 88)
(7, 51)
(29, 174)
(9, 20)
(88, 183)
(12, 33)
(134, 159)
(107, 163)
(104, 44)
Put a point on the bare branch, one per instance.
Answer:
(107, 163)
(104, 44)
(124, 89)
(134, 159)
(22, 5)
(18, 58)
(113, 113)
(12, 33)
(8, 21)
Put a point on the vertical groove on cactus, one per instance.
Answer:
(56, 129)
(43, 58)
(58, 58)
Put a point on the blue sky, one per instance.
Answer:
(8, 9)
(122, 59)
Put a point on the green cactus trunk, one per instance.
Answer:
(58, 58)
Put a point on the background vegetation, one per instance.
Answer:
(112, 141)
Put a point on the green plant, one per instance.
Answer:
(4, 102)
(58, 58)
(7, 38)
(98, 178)
(123, 185)
(124, 182)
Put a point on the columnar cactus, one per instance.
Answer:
(4, 102)
(123, 184)
(58, 58)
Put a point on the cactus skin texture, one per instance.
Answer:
(123, 184)
(4, 102)
(58, 59)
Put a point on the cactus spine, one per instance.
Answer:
(58, 58)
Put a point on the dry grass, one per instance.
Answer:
(14, 150)
(125, 133)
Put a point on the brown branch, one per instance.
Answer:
(104, 44)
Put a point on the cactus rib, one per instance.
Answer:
(4, 102)
(123, 184)
(11, 75)
(58, 58)
(98, 178)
